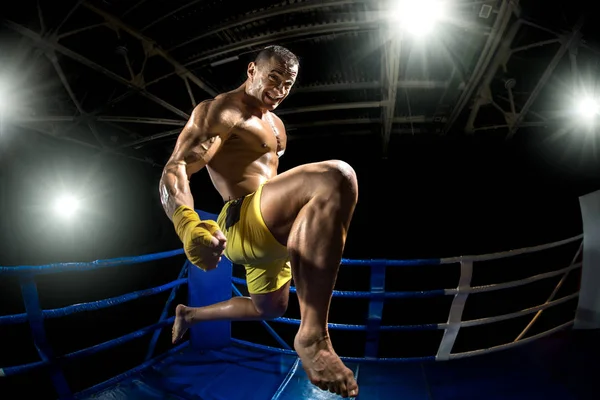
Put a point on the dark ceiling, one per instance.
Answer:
(123, 76)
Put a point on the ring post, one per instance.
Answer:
(206, 288)
(588, 308)
(38, 332)
(378, 269)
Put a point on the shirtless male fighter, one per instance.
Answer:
(272, 224)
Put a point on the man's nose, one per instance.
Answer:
(280, 90)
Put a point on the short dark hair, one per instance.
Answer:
(279, 52)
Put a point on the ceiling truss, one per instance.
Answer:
(477, 85)
(507, 8)
(390, 75)
(515, 116)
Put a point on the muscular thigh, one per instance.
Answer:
(272, 304)
(284, 196)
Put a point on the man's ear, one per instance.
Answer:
(251, 70)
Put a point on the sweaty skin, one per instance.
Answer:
(239, 140)
(236, 140)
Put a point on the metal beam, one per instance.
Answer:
(357, 121)
(76, 31)
(270, 13)
(45, 131)
(483, 95)
(167, 15)
(71, 11)
(63, 78)
(390, 76)
(325, 28)
(190, 93)
(180, 70)
(133, 7)
(333, 87)
(332, 122)
(103, 118)
(46, 119)
(321, 29)
(334, 106)
(360, 132)
(534, 45)
(524, 124)
(408, 84)
(502, 19)
(292, 127)
(48, 44)
(41, 17)
(136, 143)
(540, 116)
(568, 42)
(142, 120)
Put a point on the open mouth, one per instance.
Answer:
(272, 99)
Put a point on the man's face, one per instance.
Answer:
(271, 81)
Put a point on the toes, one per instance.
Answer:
(353, 392)
(318, 383)
(334, 387)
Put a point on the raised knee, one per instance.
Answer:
(342, 174)
(273, 311)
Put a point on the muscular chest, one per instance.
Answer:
(260, 135)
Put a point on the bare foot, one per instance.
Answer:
(181, 324)
(324, 368)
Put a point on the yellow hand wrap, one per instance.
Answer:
(193, 233)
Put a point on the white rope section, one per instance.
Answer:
(521, 282)
(456, 311)
(461, 293)
(512, 344)
(551, 297)
(510, 253)
(488, 320)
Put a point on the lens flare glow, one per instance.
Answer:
(66, 206)
(418, 17)
(588, 107)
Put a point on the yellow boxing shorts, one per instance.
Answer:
(251, 244)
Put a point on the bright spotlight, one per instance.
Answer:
(588, 107)
(66, 206)
(418, 17)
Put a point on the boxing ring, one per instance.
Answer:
(213, 365)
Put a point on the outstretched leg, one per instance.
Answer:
(323, 197)
(258, 307)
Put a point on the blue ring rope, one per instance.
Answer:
(351, 327)
(114, 262)
(19, 369)
(264, 323)
(165, 312)
(80, 266)
(369, 295)
(92, 305)
(347, 359)
(392, 263)
(86, 266)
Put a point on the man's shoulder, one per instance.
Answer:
(225, 105)
(276, 117)
(231, 100)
